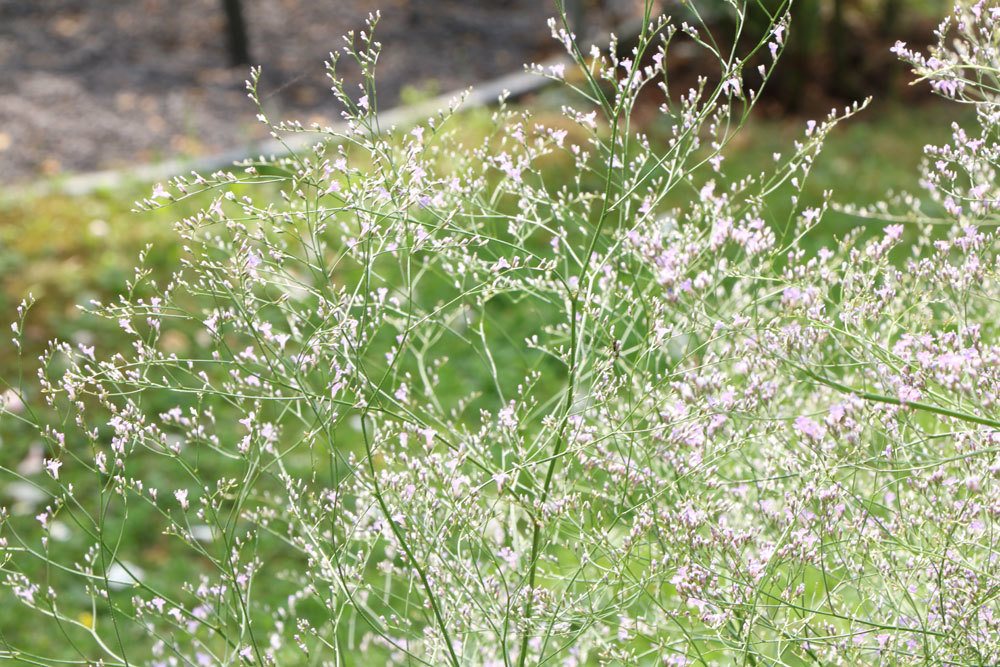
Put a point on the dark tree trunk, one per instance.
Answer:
(837, 48)
(236, 33)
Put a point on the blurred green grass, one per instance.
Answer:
(68, 250)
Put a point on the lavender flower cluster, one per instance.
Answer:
(459, 413)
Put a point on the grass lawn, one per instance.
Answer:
(68, 250)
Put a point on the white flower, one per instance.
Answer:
(53, 465)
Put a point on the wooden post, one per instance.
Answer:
(236, 33)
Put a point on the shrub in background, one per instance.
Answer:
(448, 410)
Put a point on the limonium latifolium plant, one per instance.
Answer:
(566, 396)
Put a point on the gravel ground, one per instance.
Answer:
(96, 84)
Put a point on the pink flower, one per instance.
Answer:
(809, 428)
(908, 394)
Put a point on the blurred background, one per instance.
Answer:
(88, 85)
(94, 84)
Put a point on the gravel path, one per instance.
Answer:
(97, 84)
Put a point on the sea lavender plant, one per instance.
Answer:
(451, 407)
